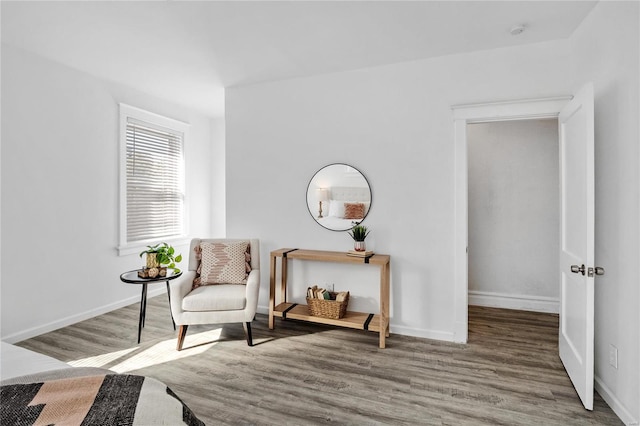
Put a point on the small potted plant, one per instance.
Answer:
(359, 233)
(159, 258)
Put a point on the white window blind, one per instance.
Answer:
(154, 181)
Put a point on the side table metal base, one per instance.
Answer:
(143, 309)
(132, 277)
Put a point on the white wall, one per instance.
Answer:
(217, 168)
(60, 193)
(606, 50)
(393, 123)
(514, 214)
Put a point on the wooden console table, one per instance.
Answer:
(359, 320)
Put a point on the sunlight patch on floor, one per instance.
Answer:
(166, 351)
(159, 353)
(102, 359)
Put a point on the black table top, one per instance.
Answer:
(131, 277)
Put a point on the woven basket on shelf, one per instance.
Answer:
(328, 308)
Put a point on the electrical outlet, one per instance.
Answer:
(613, 356)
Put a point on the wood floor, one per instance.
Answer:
(508, 374)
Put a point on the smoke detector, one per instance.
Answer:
(517, 30)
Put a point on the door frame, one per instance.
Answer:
(526, 109)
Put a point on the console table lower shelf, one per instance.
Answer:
(356, 320)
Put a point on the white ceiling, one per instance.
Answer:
(189, 51)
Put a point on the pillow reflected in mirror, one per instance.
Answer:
(353, 211)
(336, 208)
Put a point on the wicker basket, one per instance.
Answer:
(328, 308)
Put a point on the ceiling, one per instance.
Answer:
(189, 51)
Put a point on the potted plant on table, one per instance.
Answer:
(159, 258)
(359, 233)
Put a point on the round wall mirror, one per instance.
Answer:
(338, 197)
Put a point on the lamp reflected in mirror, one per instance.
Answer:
(323, 195)
(338, 197)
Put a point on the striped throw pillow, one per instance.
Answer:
(224, 263)
(353, 210)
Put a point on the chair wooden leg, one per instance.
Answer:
(247, 332)
(181, 334)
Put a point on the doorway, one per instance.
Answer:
(575, 117)
(481, 113)
(513, 205)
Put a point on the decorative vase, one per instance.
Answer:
(152, 261)
(359, 246)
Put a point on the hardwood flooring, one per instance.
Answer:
(300, 374)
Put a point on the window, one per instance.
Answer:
(152, 178)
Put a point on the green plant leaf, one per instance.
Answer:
(359, 233)
(164, 254)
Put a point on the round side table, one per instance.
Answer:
(131, 277)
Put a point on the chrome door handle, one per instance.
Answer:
(597, 271)
(578, 269)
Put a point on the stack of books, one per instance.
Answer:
(360, 253)
(320, 293)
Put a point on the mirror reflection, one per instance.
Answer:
(338, 197)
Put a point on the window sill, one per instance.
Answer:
(139, 246)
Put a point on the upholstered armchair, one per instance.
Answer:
(225, 290)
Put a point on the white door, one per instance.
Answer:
(576, 131)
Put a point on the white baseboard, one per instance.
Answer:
(420, 332)
(404, 331)
(515, 301)
(614, 403)
(64, 322)
(461, 332)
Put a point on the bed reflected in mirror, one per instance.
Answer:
(338, 197)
